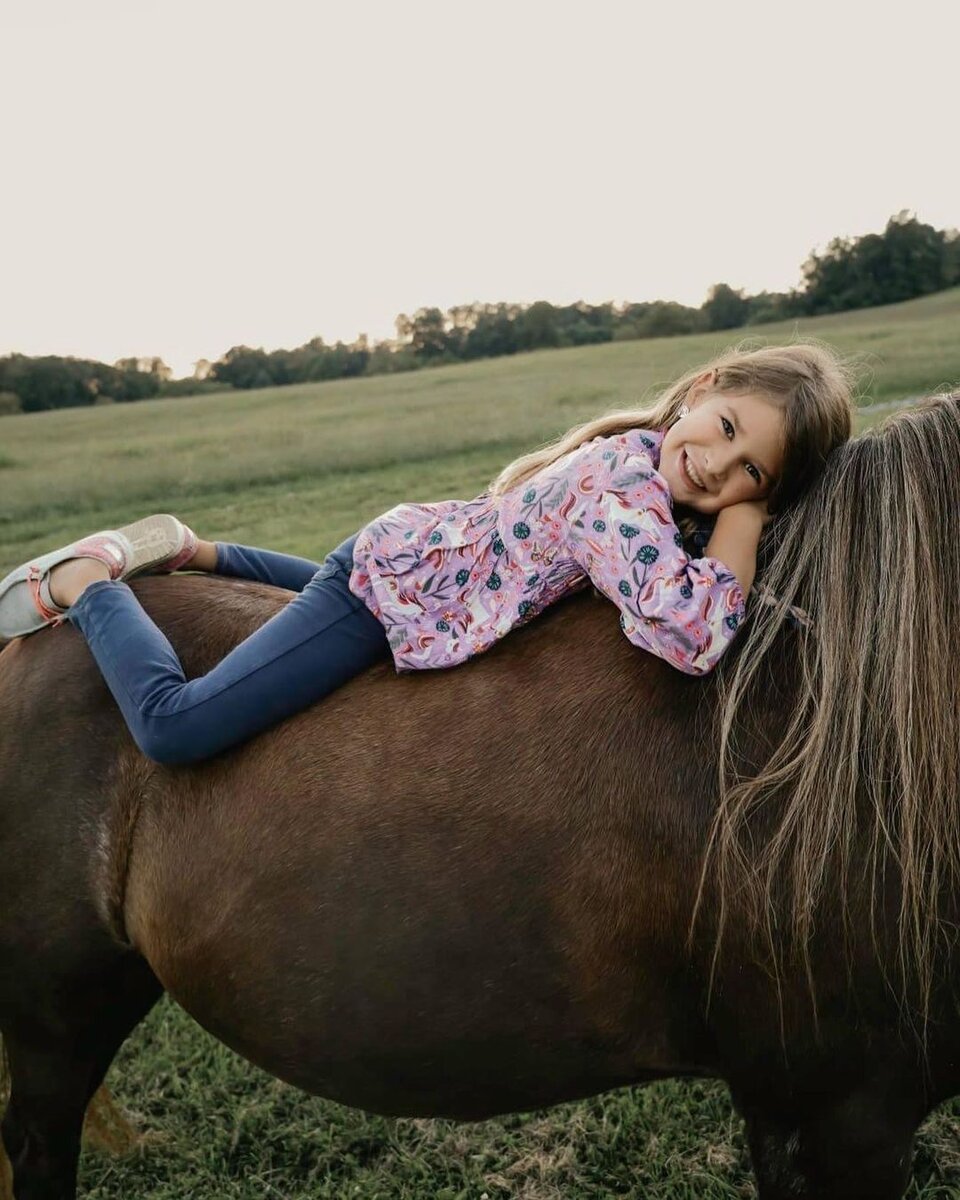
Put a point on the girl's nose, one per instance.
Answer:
(718, 461)
(713, 465)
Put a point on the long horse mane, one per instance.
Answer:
(859, 798)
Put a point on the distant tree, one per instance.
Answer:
(242, 367)
(344, 361)
(460, 320)
(126, 385)
(583, 324)
(725, 307)
(388, 357)
(628, 321)
(773, 306)
(157, 368)
(131, 378)
(10, 403)
(43, 383)
(146, 366)
(666, 318)
(537, 326)
(829, 281)
(494, 332)
(426, 332)
(908, 259)
(915, 257)
(952, 258)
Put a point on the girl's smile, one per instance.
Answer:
(691, 473)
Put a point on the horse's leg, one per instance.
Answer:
(856, 1148)
(57, 1061)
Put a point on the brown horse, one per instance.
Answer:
(468, 892)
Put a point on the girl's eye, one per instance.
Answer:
(729, 430)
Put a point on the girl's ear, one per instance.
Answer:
(700, 387)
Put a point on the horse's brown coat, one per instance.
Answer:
(443, 893)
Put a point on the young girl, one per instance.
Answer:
(436, 584)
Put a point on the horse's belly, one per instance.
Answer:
(478, 985)
(460, 1078)
(398, 1058)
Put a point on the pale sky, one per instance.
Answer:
(181, 176)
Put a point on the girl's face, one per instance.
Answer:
(729, 448)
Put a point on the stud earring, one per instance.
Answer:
(682, 412)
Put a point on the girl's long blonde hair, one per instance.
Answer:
(809, 381)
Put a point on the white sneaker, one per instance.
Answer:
(25, 601)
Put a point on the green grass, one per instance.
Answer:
(217, 1127)
(298, 469)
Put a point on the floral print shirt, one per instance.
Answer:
(447, 580)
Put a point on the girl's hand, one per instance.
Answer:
(756, 508)
(736, 535)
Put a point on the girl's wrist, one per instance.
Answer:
(736, 536)
(747, 515)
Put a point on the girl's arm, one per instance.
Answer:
(622, 533)
(736, 536)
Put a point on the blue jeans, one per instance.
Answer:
(322, 638)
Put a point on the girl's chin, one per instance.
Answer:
(696, 506)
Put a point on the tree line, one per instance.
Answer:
(908, 259)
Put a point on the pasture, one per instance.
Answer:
(298, 469)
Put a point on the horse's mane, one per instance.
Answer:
(859, 799)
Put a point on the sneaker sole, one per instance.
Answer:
(150, 542)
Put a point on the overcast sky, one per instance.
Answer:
(180, 176)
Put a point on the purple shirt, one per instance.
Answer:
(447, 580)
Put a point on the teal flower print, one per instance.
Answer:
(624, 588)
(529, 496)
(521, 530)
(532, 579)
(524, 607)
(628, 531)
(678, 539)
(463, 576)
(497, 544)
(599, 525)
(443, 626)
(686, 591)
(648, 555)
(493, 583)
(435, 538)
(648, 443)
(732, 621)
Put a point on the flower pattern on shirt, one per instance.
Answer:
(447, 580)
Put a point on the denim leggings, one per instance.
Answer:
(318, 641)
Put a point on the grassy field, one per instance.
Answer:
(298, 469)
